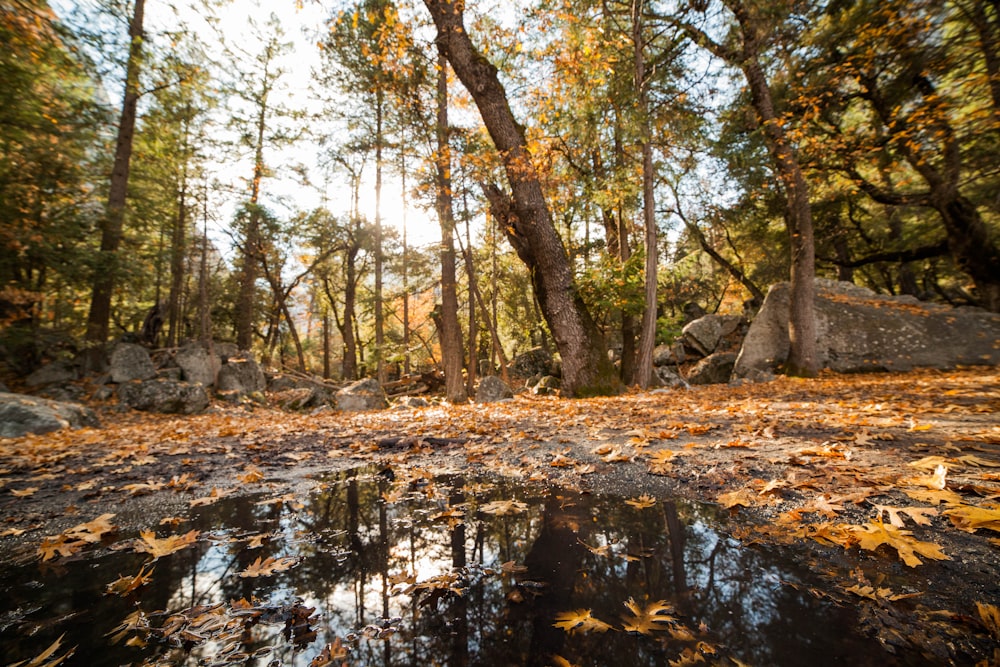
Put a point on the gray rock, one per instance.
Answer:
(668, 378)
(131, 362)
(172, 373)
(492, 389)
(364, 394)
(197, 364)
(669, 355)
(227, 350)
(242, 375)
(56, 372)
(300, 398)
(705, 333)
(164, 396)
(716, 368)
(547, 386)
(537, 361)
(409, 403)
(858, 330)
(20, 415)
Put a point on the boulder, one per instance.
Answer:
(858, 330)
(716, 368)
(668, 378)
(242, 375)
(164, 396)
(197, 364)
(409, 403)
(364, 394)
(537, 361)
(131, 362)
(546, 386)
(300, 398)
(669, 355)
(492, 389)
(56, 372)
(705, 333)
(20, 415)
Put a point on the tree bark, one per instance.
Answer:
(113, 223)
(647, 330)
(451, 332)
(525, 215)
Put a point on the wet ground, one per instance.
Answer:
(379, 568)
(715, 526)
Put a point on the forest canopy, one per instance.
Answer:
(593, 171)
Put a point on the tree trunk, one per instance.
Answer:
(525, 215)
(802, 357)
(113, 222)
(380, 370)
(451, 332)
(177, 252)
(647, 331)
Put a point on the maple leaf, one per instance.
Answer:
(824, 505)
(990, 616)
(43, 658)
(580, 620)
(143, 487)
(125, 585)
(934, 496)
(642, 502)
(504, 507)
(23, 493)
(687, 658)
(917, 514)
(648, 619)
(268, 566)
(936, 481)
(251, 475)
(874, 534)
(876, 594)
(57, 545)
(92, 531)
(159, 547)
(970, 518)
(731, 499)
(612, 454)
(213, 497)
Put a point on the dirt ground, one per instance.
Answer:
(888, 483)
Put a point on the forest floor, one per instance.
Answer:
(869, 476)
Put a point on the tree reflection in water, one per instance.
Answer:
(396, 568)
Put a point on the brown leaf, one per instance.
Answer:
(970, 518)
(646, 620)
(874, 534)
(268, 566)
(42, 659)
(125, 585)
(580, 620)
(159, 547)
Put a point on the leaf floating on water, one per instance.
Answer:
(42, 659)
(642, 502)
(125, 585)
(580, 620)
(645, 620)
(159, 547)
(268, 566)
(504, 507)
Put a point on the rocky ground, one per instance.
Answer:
(889, 483)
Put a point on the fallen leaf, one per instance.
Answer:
(251, 476)
(268, 566)
(917, 514)
(971, 518)
(92, 531)
(23, 493)
(57, 545)
(504, 507)
(42, 659)
(580, 620)
(742, 497)
(646, 620)
(934, 496)
(990, 616)
(642, 502)
(874, 534)
(125, 585)
(873, 593)
(159, 547)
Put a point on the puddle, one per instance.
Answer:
(377, 570)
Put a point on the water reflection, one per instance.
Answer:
(381, 567)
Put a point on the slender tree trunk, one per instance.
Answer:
(470, 276)
(177, 252)
(525, 214)
(113, 222)
(380, 370)
(406, 278)
(451, 332)
(647, 334)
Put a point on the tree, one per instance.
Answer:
(451, 332)
(113, 222)
(524, 213)
(744, 48)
